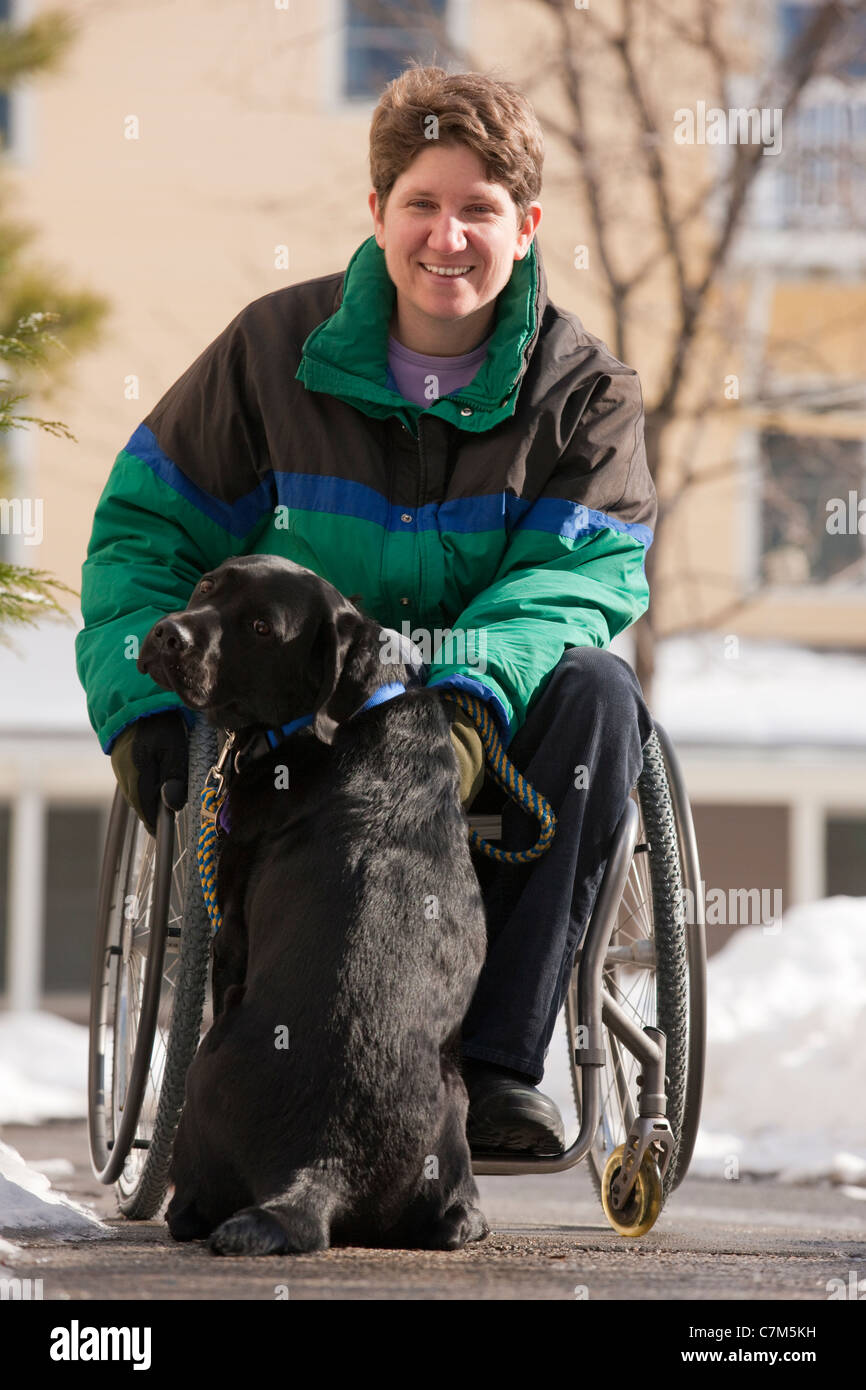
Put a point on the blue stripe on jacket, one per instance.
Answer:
(238, 518)
(343, 497)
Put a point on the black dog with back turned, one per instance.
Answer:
(325, 1105)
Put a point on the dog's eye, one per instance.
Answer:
(261, 627)
(205, 586)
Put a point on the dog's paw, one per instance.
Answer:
(458, 1226)
(259, 1232)
(185, 1223)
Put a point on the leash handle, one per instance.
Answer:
(510, 780)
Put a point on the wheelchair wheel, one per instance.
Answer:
(655, 970)
(148, 991)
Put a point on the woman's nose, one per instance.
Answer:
(447, 236)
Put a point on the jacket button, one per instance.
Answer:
(466, 410)
(405, 517)
(404, 600)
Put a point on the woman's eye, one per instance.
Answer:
(423, 203)
(261, 627)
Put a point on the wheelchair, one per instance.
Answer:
(635, 1008)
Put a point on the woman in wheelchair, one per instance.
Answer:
(432, 434)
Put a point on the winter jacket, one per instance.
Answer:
(514, 514)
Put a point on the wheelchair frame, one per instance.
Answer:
(151, 912)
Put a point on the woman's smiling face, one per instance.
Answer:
(442, 212)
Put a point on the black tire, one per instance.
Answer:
(148, 993)
(653, 985)
(696, 943)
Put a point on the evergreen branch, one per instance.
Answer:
(26, 598)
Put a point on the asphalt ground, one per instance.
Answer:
(742, 1241)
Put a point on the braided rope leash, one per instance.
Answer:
(213, 794)
(207, 853)
(510, 780)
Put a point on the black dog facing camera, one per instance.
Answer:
(325, 1105)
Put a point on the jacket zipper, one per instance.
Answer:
(422, 488)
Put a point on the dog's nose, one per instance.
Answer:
(169, 638)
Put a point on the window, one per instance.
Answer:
(73, 853)
(821, 178)
(846, 855)
(382, 35)
(811, 518)
(845, 55)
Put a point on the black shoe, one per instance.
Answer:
(507, 1114)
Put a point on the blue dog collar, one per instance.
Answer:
(276, 736)
(385, 692)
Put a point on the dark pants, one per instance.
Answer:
(581, 748)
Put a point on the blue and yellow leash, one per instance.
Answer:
(213, 794)
(510, 780)
(502, 768)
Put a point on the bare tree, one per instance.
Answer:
(647, 153)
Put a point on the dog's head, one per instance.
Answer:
(264, 641)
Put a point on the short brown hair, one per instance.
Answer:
(491, 116)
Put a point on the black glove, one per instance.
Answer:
(151, 752)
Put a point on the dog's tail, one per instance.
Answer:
(294, 1223)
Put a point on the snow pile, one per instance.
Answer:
(786, 1064)
(9, 1253)
(43, 1069)
(716, 690)
(28, 1203)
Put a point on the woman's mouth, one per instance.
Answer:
(446, 272)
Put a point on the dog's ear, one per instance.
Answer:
(335, 638)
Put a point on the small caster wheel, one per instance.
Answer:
(645, 1199)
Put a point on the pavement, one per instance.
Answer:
(716, 1240)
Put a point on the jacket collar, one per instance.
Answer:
(347, 354)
